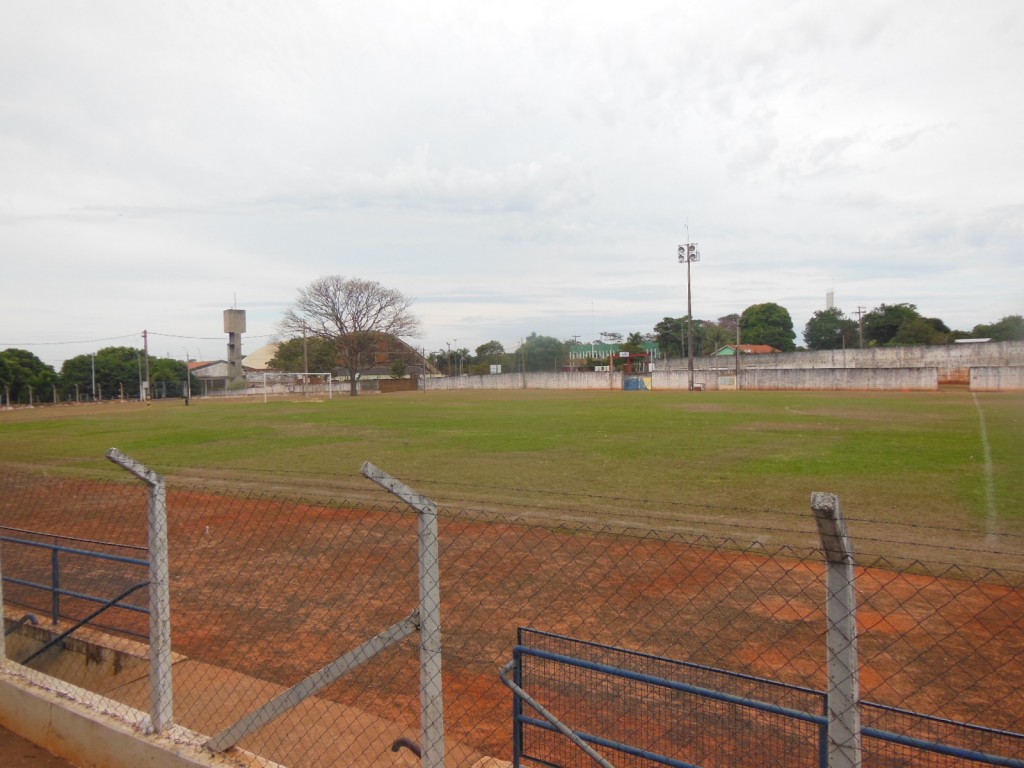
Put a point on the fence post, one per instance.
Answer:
(55, 582)
(3, 624)
(161, 694)
(431, 702)
(844, 739)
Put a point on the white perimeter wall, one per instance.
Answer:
(997, 379)
(942, 356)
(993, 366)
(763, 379)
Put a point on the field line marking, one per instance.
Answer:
(991, 513)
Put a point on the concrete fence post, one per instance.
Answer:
(843, 697)
(431, 701)
(3, 626)
(161, 696)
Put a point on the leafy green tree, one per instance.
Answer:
(670, 334)
(487, 354)
(634, 343)
(292, 356)
(883, 322)
(923, 330)
(541, 353)
(490, 350)
(720, 333)
(76, 376)
(21, 370)
(167, 376)
(1009, 328)
(770, 324)
(830, 329)
(119, 370)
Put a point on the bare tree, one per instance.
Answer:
(358, 316)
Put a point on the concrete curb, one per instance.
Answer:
(54, 715)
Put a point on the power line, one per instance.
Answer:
(125, 336)
(56, 343)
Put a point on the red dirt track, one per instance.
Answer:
(277, 589)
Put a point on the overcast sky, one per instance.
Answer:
(514, 166)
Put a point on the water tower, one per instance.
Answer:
(234, 327)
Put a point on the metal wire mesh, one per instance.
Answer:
(267, 589)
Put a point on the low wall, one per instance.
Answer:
(53, 714)
(1003, 379)
(840, 379)
(398, 385)
(534, 380)
(714, 379)
(953, 361)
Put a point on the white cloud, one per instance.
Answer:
(516, 167)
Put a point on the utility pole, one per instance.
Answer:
(305, 360)
(92, 357)
(145, 351)
(689, 253)
(860, 325)
(737, 355)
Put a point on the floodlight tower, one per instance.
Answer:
(689, 254)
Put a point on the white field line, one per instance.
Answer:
(991, 513)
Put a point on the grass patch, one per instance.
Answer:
(900, 456)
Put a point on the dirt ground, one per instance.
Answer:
(16, 752)
(276, 589)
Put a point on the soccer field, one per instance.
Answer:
(701, 462)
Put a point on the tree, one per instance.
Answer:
(883, 322)
(294, 355)
(770, 324)
(670, 334)
(634, 343)
(921, 330)
(165, 374)
(352, 314)
(1009, 328)
(490, 351)
(830, 329)
(487, 354)
(118, 371)
(541, 353)
(19, 370)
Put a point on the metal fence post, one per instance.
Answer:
(844, 737)
(3, 624)
(55, 582)
(161, 695)
(431, 702)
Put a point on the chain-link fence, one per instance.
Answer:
(268, 591)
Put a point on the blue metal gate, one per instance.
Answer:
(634, 709)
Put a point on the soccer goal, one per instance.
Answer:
(297, 384)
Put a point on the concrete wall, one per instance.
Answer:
(840, 379)
(575, 380)
(952, 361)
(879, 368)
(54, 714)
(1005, 379)
(398, 385)
(749, 379)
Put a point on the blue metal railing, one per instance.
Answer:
(55, 588)
(521, 721)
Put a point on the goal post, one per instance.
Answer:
(304, 384)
